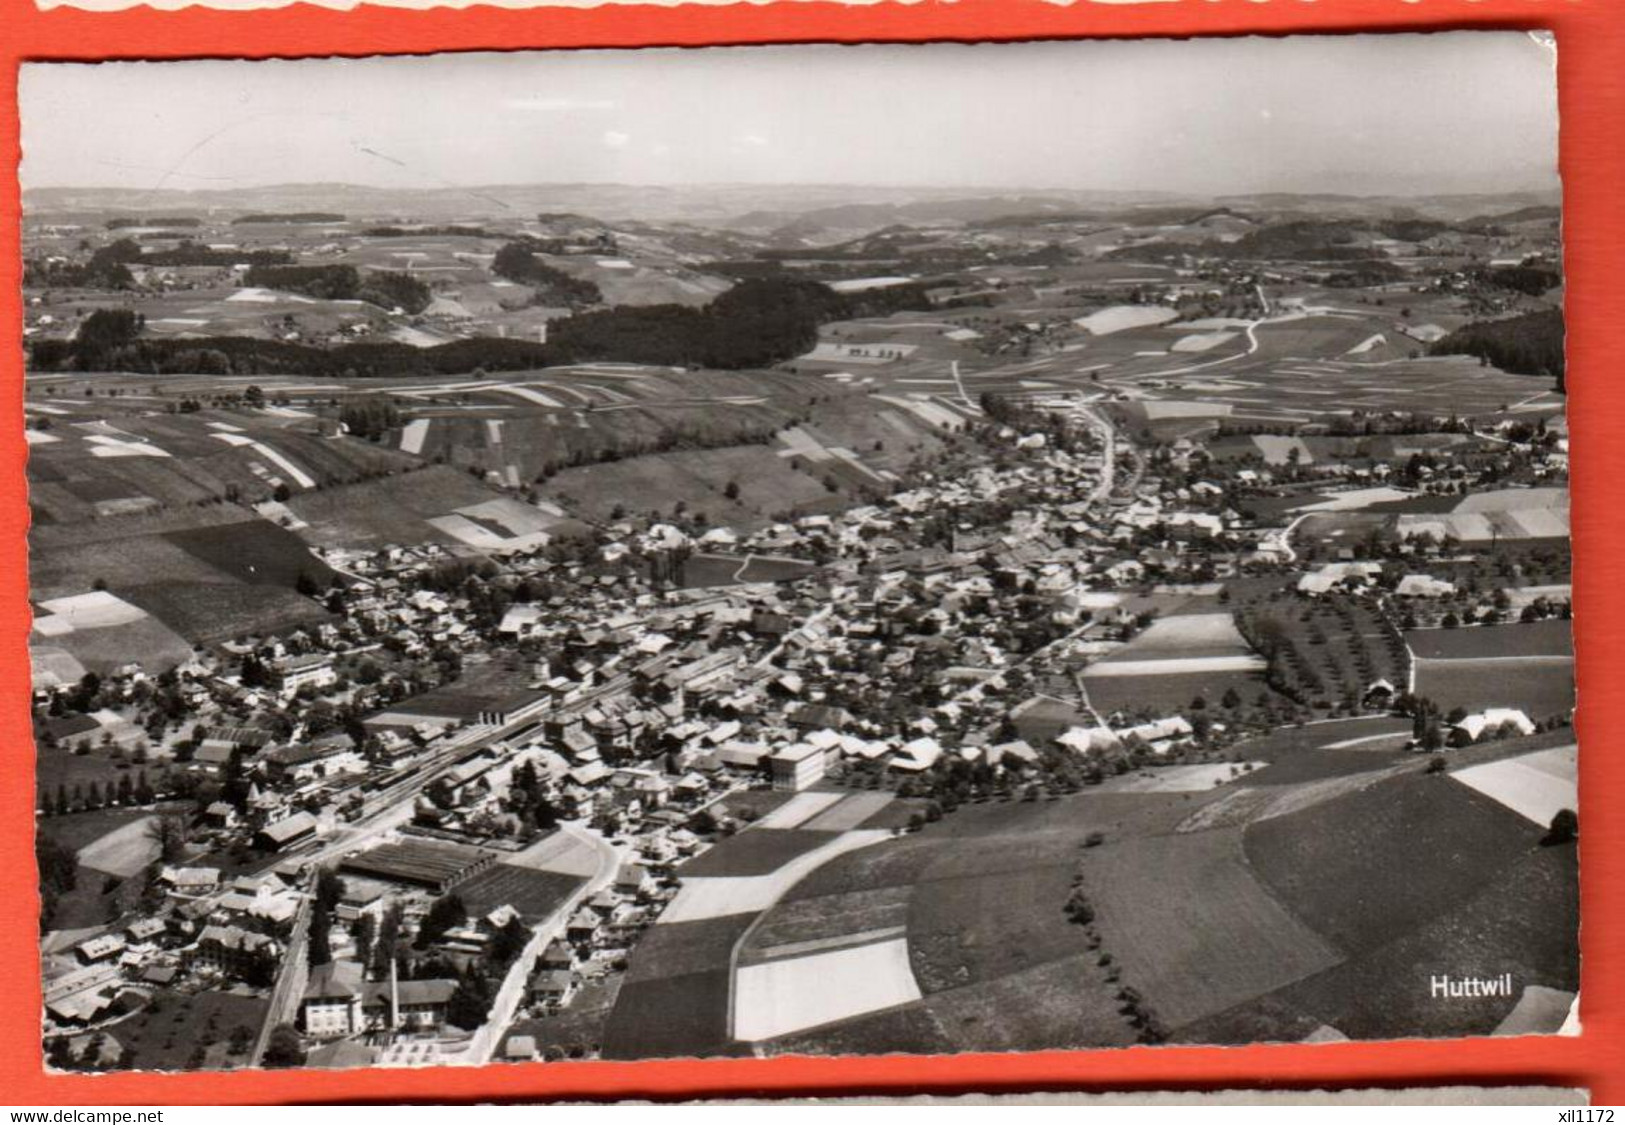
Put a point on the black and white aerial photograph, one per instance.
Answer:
(818, 550)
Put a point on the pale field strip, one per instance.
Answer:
(444, 388)
(256, 296)
(561, 853)
(530, 394)
(841, 353)
(225, 427)
(570, 392)
(1535, 786)
(797, 810)
(1521, 596)
(1216, 322)
(97, 609)
(302, 478)
(124, 851)
(1277, 449)
(852, 459)
(37, 437)
(414, 337)
(927, 411)
(102, 445)
(493, 430)
(1173, 665)
(700, 899)
(780, 997)
(280, 513)
(1201, 342)
(1541, 1011)
(1178, 779)
(413, 435)
(798, 442)
(54, 665)
(1354, 499)
(1156, 409)
(1120, 317)
(791, 949)
(1396, 738)
(848, 813)
(1515, 499)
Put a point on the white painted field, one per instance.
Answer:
(1187, 630)
(1539, 1011)
(1176, 779)
(413, 435)
(1277, 449)
(797, 810)
(1170, 408)
(530, 394)
(1120, 317)
(717, 898)
(102, 445)
(1178, 665)
(1515, 499)
(123, 851)
(95, 610)
(1535, 786)
(301, 478)
(1201, 341)
(1368, 344)
(1355, 498)
(849, 812)
(561, 852)
(780, 997)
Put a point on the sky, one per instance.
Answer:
(1403, 114)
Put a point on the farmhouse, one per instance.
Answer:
(1491, 721)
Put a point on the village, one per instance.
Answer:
(460, 801)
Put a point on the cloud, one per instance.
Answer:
(753, 139)
(613, 139)
(558, 105)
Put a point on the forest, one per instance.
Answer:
(1531, 344)
(552, 287)
(383, 288)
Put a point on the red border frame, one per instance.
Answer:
(1591, 55)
